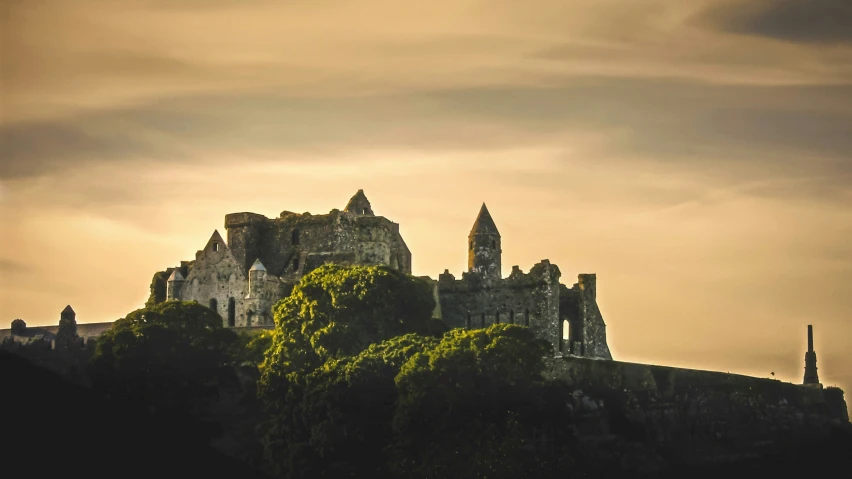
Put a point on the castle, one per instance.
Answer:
(263, 259)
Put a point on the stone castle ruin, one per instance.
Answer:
(263, 259)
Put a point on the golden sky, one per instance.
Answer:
(696, 155)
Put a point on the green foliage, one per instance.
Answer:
(325, 362)
(171, 356)
(337, 419)
(476, 405)
(159, 284)
(250, 347)
(338, 311)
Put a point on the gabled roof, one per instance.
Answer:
(484, 224)
(216, 238)
(359, 204)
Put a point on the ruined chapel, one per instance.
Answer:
(241, 278)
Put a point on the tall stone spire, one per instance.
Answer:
(359, 205)
(811, 377)
(484, 254)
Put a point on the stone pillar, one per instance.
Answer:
(811, 377)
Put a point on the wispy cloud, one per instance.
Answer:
(810, 21)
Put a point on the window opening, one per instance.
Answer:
(214, 305)
(232, 312)
(295, 238)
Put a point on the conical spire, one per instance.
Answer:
(176, 276)
(68, 310)
(359, 204)
(484, 224)
(257, 266)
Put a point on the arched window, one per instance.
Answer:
(482, 321)
(214, 305)
(526, 317)
(497, 317)
(467, 323)
(566, 330)
(296, 264)
(512, 316)
(295, 237)
(249, 318)
(232, 312)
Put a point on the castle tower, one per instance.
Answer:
(68, 315)
(484, 246)
(359, 205)
(811, 377)
(257, 277)
(67, 332)
(174, 285)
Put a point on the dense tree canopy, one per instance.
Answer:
(336, 420)
(171, 356)
(476, 405)
(328, 360)
(337, 311)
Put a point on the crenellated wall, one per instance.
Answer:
(530, 299)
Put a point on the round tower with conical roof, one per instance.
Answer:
(484, 247)
(174, 285)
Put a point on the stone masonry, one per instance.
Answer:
(569, 318)
(263, 258)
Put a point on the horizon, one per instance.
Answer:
(697, 158)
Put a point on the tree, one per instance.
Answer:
(476, 405)
(337, 419)
(171, 356)
(321, 367)
(337, 311)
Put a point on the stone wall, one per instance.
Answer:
(287, 248)
(286, 245)
(476, 301)
(698, 416)
(578, 305)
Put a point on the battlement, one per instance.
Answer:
(542, 273)
(236, 220)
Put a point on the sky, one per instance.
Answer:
(696, 156)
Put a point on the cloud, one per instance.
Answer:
(807, 21)
(8, 266)
(796, 129)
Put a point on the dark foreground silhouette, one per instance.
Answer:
(52, 428)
